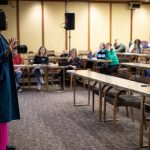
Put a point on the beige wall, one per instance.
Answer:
(141, 23)
(99, 24)
(79, 36)
(31, 23)
(121, 18)
(10, 11)
(53, 21)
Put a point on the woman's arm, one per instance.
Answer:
(131, 48)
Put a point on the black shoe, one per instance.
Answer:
(10, 147)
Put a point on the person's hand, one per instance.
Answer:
(69, 59)
(12, 43)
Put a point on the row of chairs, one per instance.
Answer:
(119, 98)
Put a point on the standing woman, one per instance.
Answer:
(9, 109)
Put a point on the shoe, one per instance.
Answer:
(39, 87)
(10, 147)
(19, 89)
(42, 81)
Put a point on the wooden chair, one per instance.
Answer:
(147, 109)
(50, 53)
(121, 99)
(95, 91)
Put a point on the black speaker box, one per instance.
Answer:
(136, 5)
(22, 49)
(69, 21)
(3, 2)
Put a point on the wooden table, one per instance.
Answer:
(135, 56)
(96, 60)
(139, 67)
(136, 65)
(119, 83)
(45, 68)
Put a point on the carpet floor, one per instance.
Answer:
(49, 121)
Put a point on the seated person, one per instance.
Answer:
(72, 63)
(119, 47)
(17, 60)
(41, 58)
(136, 47)
(101, 48)
(110, 55)
(73, 60)
(90, 55)
(89, 64)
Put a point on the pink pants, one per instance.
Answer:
(3, 136)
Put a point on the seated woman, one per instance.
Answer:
(72, 63)
(136, 47)
(73, 60)
(41, 58)
(89, 64)
(114, 64)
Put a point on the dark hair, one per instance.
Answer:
(2, 20)
(40, 49)
(138, 41)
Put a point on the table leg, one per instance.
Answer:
(88, 91)
(64, 78)
(74, 89)
(46, 78)
(74, 92)
(29, 81)
(141, 121)
(100, 102)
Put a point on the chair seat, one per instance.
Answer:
(113, 92)
(125, 100)
(129, 100)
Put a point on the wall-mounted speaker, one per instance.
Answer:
(3, 2)
(135, 5)
(69, 21)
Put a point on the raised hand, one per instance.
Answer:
(12, 43)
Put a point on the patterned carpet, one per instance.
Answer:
(49, 121)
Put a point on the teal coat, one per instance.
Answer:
(9, 108)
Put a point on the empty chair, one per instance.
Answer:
(147, 109)
(121, 99)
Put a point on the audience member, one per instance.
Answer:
(17, 60)
(41, 58)
(114, 64)
(119, 47)
(136, 47)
